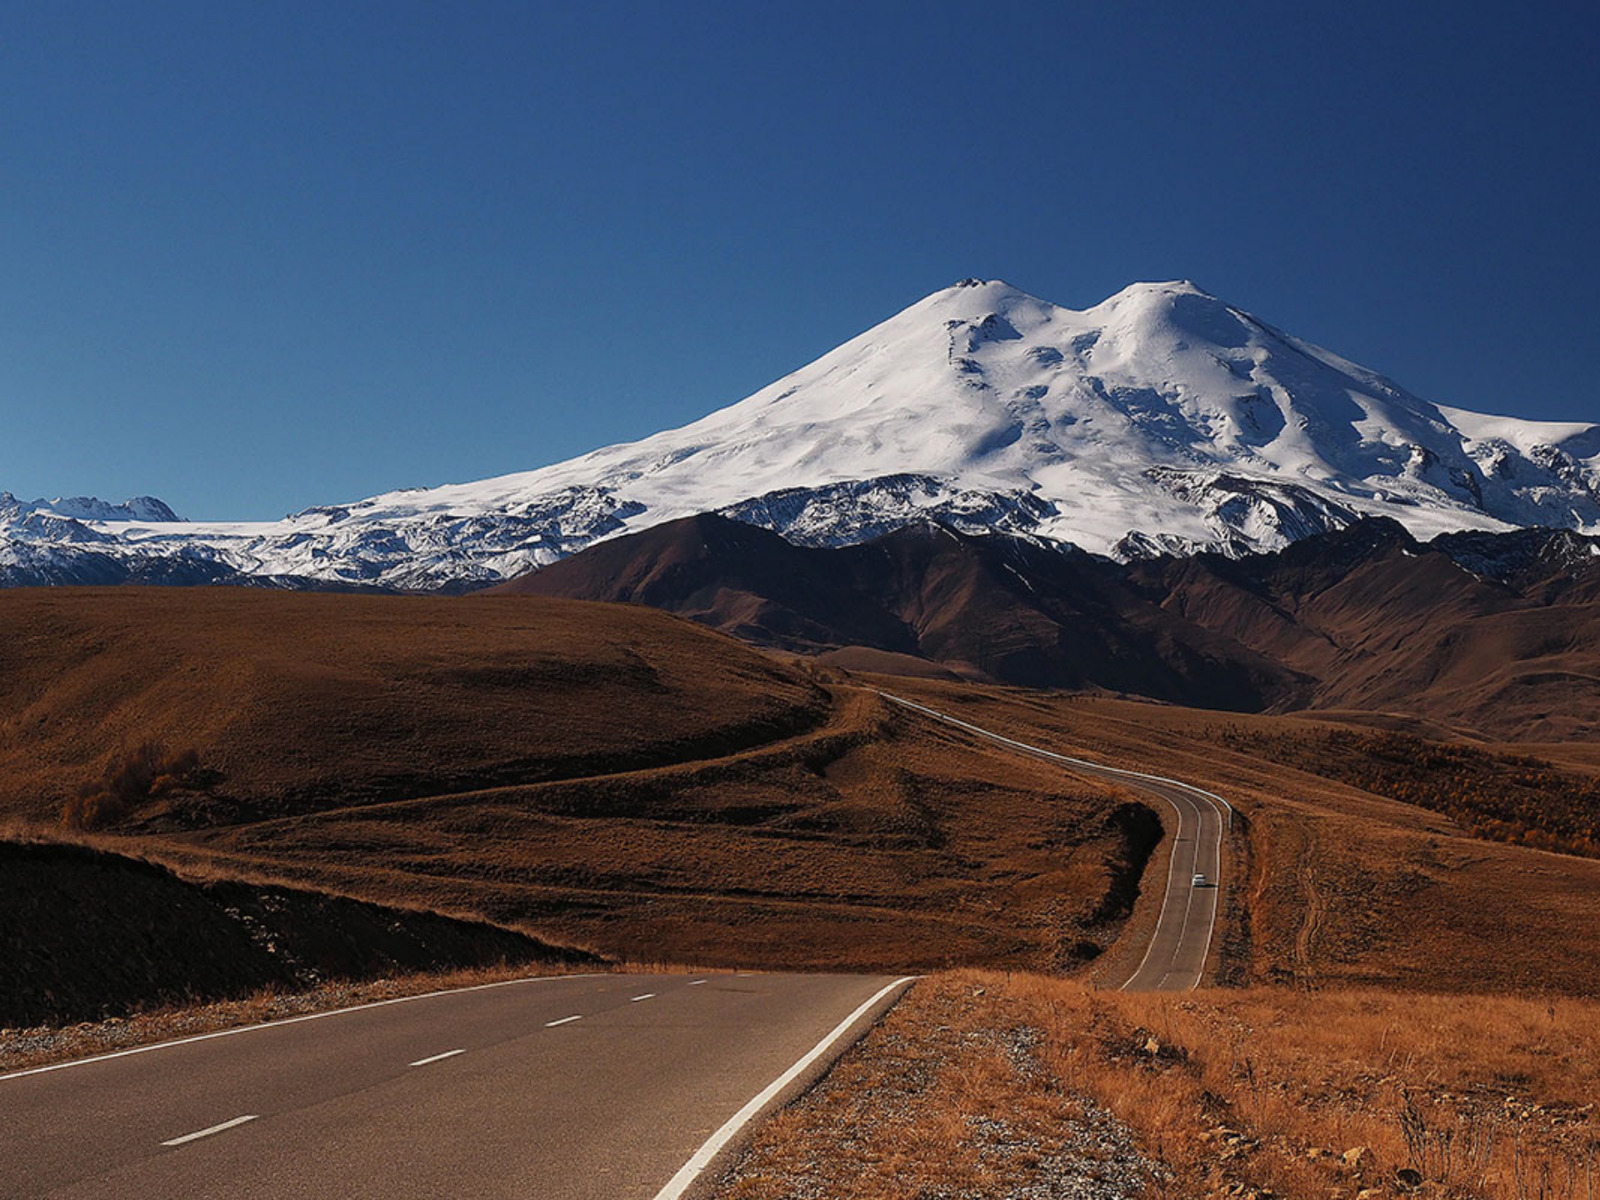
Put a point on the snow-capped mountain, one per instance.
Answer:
(1161, 420)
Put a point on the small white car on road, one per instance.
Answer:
(1199, 879)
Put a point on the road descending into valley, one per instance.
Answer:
(600, 1087)
(581, 1087)
(1175, 959)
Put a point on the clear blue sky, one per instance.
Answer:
(256, 256)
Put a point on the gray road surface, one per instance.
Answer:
(1176, 957)
(517, 1100)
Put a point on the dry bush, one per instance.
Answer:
(143, 773)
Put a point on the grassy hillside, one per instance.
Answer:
(604, 776)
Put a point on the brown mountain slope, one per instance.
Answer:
(1387, 624)
(988, 607)
(1498, 634)
(791, 818)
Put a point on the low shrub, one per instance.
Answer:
(143, 773)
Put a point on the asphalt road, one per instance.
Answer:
(1176, 957)
(600, 1087)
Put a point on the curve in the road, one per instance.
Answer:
(1175, 959)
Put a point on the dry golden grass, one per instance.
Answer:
(977, 1083)
(599, 775)
(947, 1096)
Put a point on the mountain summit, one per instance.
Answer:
(1160, 420)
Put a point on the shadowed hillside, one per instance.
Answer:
(1494, 633)
(88, 934)
(988, 607)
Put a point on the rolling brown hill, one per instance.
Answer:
(1495, 635)
(297, 701)
(599, 775)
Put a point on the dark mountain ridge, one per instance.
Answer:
(1496, 633)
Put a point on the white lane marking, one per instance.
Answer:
(697, 982)
(1216, 802)
(690, 1171)
(200, 1133)
(646, 996)
(422, 1062)
(332, 1012)
(563, 1021)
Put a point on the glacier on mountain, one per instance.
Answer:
(1162, 420)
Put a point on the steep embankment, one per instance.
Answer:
(87, 934)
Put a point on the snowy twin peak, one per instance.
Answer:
(1162, 420)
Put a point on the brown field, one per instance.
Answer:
(613, 778)
(1415, 1002)
(602, 776)
(981, 1084)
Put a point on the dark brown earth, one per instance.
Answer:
(86, 934)
(983, 607)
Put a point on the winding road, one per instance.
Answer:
(581, 1087)
(1175, 959)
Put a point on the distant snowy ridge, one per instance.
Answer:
(1161, 420)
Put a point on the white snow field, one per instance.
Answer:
(1161, 420)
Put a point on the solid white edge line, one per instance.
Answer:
(690, 1171)
(200, 1133)
(332, 1012)
(563, 1021)
(1225, 811)
(646, 996)
(1172, 864)
(1216, 903)
(422, 1062)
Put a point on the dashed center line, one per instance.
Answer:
(200, 1133)
(646, 996)
(422, 1062)
(697, 982)
(562, 1021)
